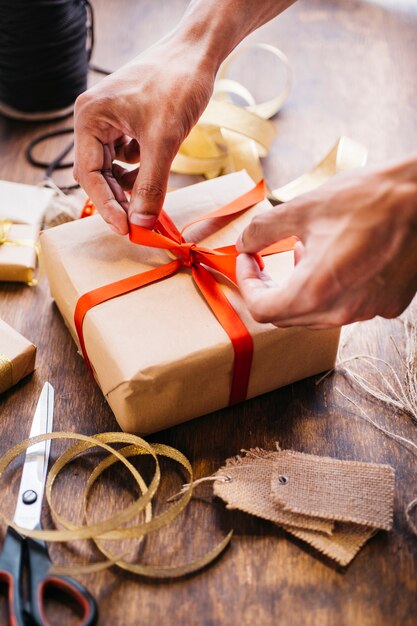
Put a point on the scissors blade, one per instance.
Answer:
(32, 483)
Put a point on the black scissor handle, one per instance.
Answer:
(41, 582)
(10, 573)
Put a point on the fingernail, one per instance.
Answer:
(146, 221)
(239, 243)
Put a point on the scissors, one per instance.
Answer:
(19, 550)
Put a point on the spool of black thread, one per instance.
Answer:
(43, 57)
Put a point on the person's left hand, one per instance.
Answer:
(357, 255)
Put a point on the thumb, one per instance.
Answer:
(150, 187)
(273, 225)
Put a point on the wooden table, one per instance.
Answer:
(355, 73)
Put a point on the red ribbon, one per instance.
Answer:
(198, 259)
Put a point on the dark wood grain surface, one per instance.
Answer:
(355, 73)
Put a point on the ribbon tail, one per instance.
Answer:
(239, 335)
(114, 290)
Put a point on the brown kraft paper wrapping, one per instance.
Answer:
(159, 354)
(17, 356)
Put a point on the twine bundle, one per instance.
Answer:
(393, 392)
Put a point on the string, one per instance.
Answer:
(43, 54)
(58, 162)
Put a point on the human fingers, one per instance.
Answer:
(299, 251)
(267, 228)
(266, 300)
(92, 170)
(307, 299)
(127, 150)
(149, 189)
(125, 178)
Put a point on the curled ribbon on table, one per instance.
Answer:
(5, 226)
(113, 527)
(198, 258)
(229, 137)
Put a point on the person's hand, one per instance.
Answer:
(142, 112)
(357, 255)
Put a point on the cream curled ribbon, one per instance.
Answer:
(229, 137)
(31, 280)
(113, 527)
(6, 372)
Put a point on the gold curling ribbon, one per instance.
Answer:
(344, 155)
(112, 527)
(5, 226)
(6, 372)
(229, 137)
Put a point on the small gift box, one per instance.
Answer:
(17, 356)
(23, 204)
(18, 252)
(167, 338)
(22, 208)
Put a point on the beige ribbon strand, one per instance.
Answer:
(345, 154)
(229, 137)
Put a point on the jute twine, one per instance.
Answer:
(399, 395)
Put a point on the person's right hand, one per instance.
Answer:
(142, 112)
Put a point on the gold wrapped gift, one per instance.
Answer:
(18, 252)
(17, 356)
(158, 353)
(22, 208)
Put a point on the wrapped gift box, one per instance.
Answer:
(17, 356)
(22, 208)
(23, 204)
(18, 256)
(158, 353)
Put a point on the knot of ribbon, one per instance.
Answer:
(199, 260)
(187, 253)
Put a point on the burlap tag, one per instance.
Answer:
(343, 545)
(348, 491)
(250, 491)
(302, 492)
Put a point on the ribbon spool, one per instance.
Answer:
(114, 526)
(43, 57)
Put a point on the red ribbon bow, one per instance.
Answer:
(197, 258)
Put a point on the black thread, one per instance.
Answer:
(43, 53)
(45, 49)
